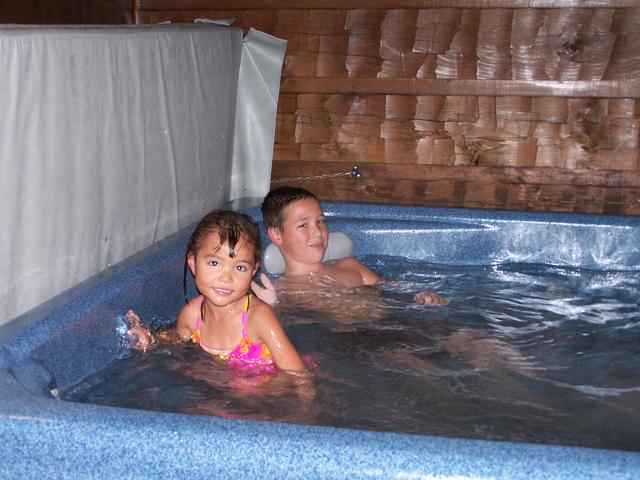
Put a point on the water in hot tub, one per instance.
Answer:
(522, 353)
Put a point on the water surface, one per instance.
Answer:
(522, 353)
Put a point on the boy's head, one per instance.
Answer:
(275, 204)
(296, 225)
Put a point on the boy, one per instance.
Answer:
(296, 224)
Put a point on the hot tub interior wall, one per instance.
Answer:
(481, 104)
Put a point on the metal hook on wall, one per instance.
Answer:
(353, 173)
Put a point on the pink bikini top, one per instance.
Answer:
(246, 355)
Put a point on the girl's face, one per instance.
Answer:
(223, 280)
(304, 234)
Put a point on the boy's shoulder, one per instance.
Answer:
(347, 260)
(353, 266)
(347, 271)
(350, 263)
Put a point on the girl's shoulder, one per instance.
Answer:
(260, 315)
(188, 316)
(258, 308)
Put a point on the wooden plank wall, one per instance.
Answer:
(476, 103)
(51, 12)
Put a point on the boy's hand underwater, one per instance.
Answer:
(430, 298)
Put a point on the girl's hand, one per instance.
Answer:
(430, 298)
(141, 338)
(267, 293)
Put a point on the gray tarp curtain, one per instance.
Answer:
(112, 138)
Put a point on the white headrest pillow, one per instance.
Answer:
(339, 246)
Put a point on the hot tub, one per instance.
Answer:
(76, 334)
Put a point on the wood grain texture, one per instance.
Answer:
(523, 105)
(68, 12)
(376, 4)
(527, 189)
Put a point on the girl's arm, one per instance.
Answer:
(268, 328)
(186, 323)
(142, 338)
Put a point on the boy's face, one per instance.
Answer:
(304, 234)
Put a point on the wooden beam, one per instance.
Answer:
(542, 176)
(375, 4)
(526, 189)
(135, 11)
(413, 86)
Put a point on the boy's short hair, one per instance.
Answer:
(276, 202)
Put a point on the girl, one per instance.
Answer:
(226, 320)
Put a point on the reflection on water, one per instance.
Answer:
(522, 353)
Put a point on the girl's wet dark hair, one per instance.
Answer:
(276, 202)
(231, 227)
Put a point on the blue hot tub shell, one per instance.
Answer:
(76, 334)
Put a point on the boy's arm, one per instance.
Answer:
(370, 277)
(430, 298)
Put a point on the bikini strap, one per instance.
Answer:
(244, 315)
(200, 318)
